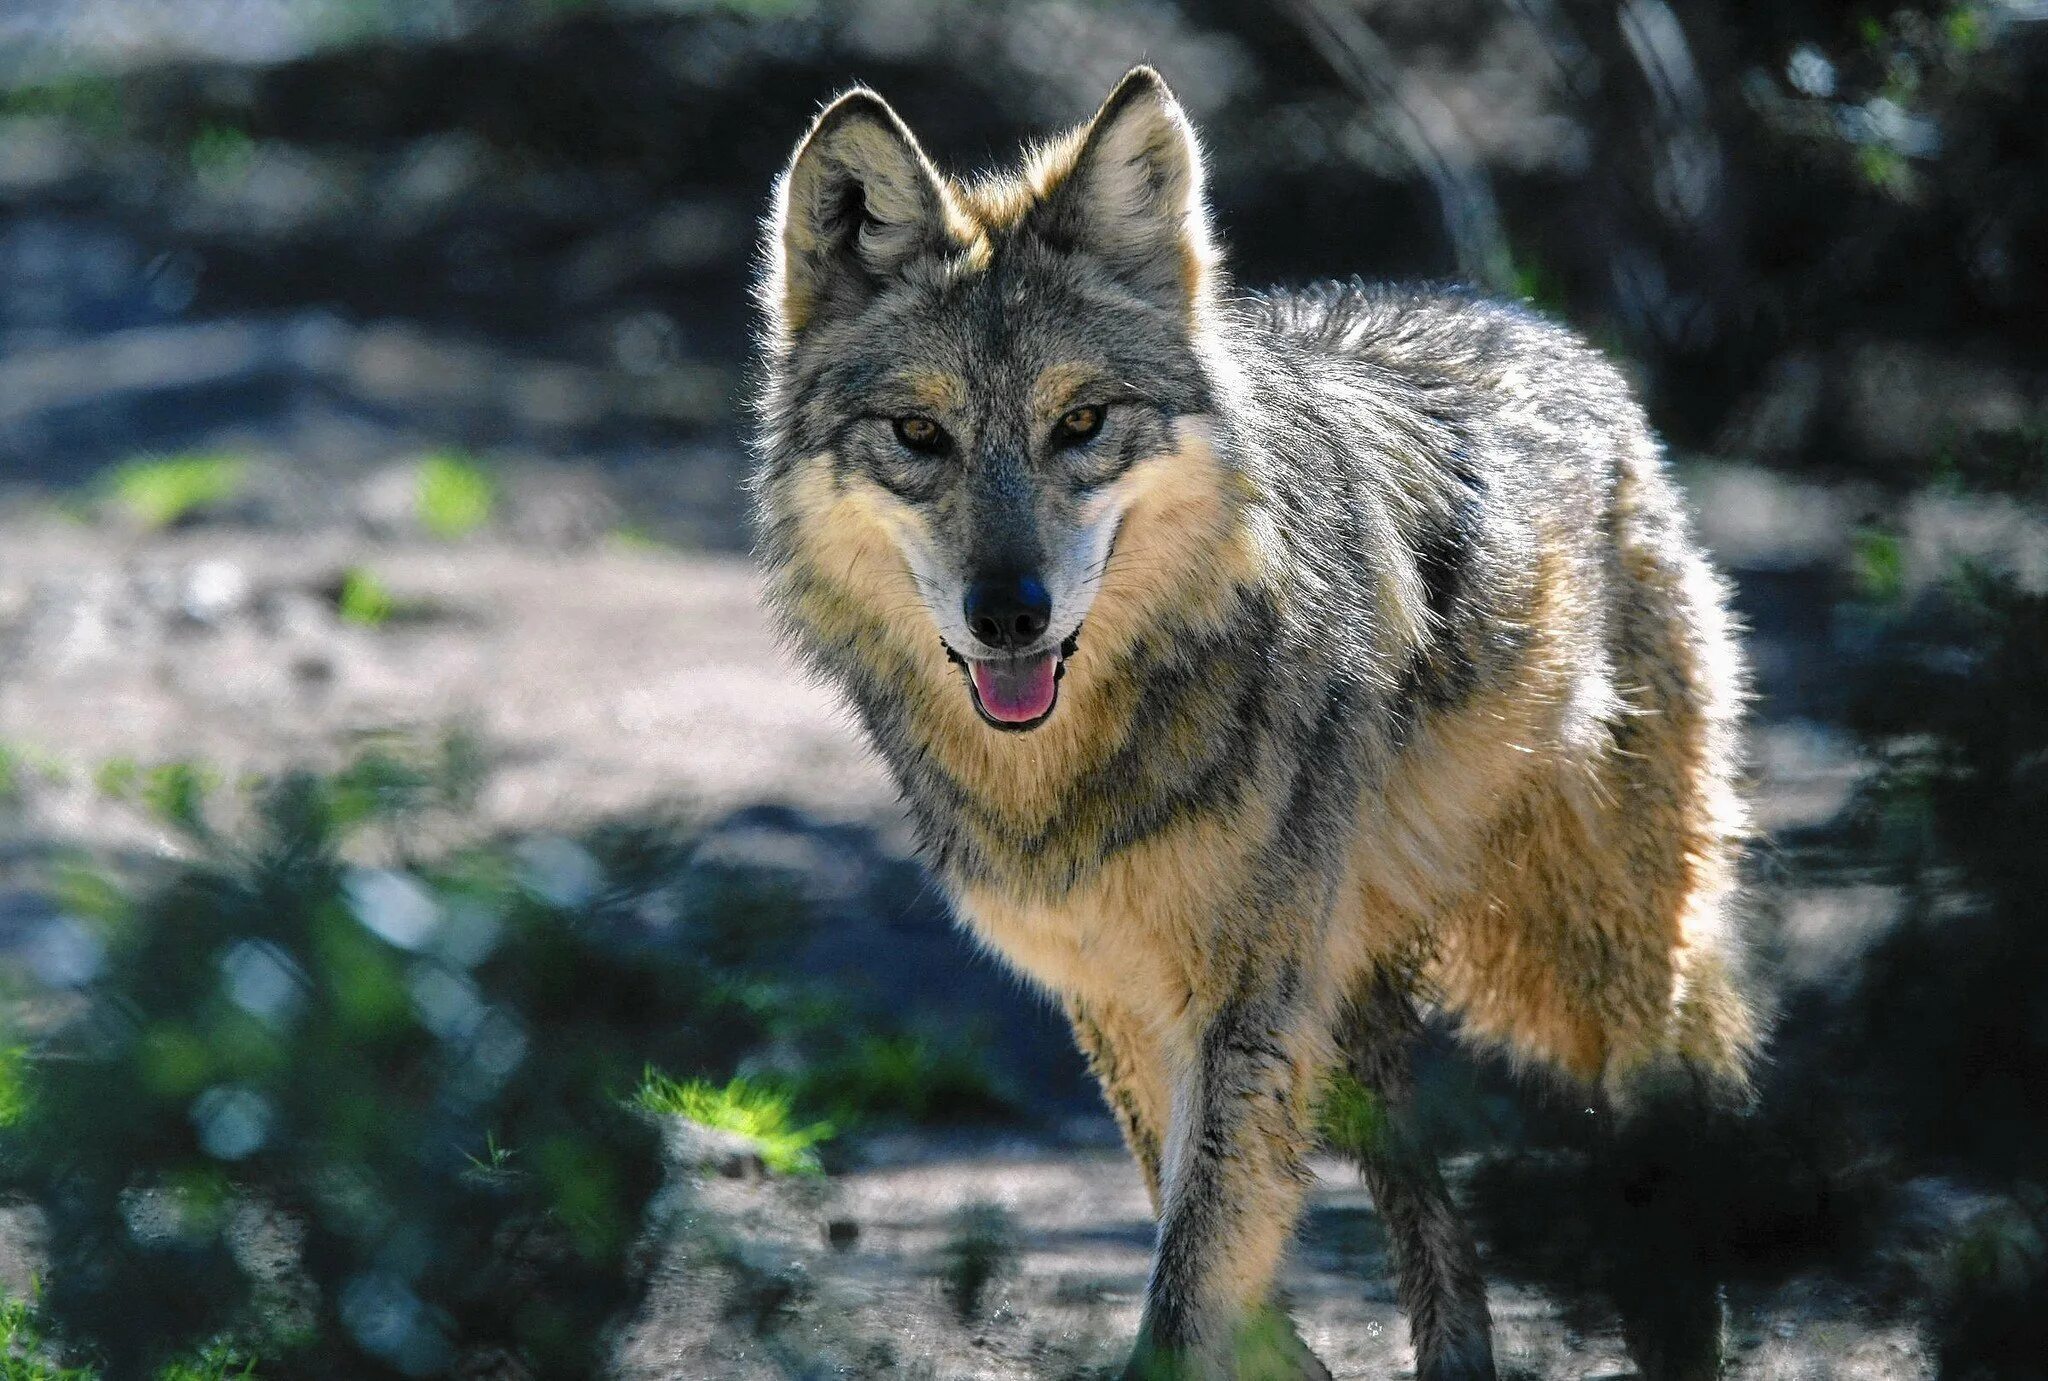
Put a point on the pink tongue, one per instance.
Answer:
(1016, 691)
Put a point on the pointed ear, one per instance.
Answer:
(1131, 194)
(858, 203)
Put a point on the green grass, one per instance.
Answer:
(14, 1092)
(1885, 169)
(759, 1112)
(23, 1351)
(456, 496)
(214, 1364)
(1964, 28)
(25, 1355)
(496, 1160)
(158, 492)
(193, 962)
(117, 777)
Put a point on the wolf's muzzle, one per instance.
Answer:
(1006, 613)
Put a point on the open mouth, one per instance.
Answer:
(1015, 694)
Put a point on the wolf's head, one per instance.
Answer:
(990, 374)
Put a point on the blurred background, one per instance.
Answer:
(441, 934)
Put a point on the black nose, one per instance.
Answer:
(1008, 612)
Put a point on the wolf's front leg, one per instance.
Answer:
(1233, 1177)
(1126, 1060)
(1434, 1255)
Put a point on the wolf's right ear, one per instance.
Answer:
(1127, 189)
(858, 203)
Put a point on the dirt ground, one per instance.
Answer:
(1070, 1300)
(606, 679)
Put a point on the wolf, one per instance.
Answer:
(1259, 670)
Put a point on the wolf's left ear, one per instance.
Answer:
(858, 204)
(1131, 194)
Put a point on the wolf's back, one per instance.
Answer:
(1538, 589)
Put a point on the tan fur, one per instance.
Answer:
(936, 392)
(1154, 131)
(1505, 829)
(852, 567)
(1058, 387)
(897, 177)
(1125, 1058)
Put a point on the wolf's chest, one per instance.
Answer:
(1141, 929)
(1081, 950)
(1099, 817)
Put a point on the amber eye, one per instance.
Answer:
(922, 434)
(1078, 425)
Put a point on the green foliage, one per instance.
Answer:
(1537, 285)
(158, 493)
(22, 765)
(2011, 462)
(25, 1355)
(757, 1111)
(426, 1067)
(90, 101)
(364, 599)
(1268, 1348)
(117, 777)
(1885, 169)
(1878, 564)
(456, 496)
(174, 793)
(24, 1352)
(980, 1250)
(1954, 709)
(636, 538)
(13, 1084)
(221, 155)
(215, 1363)
(1964, 28)
(393, 777)
(1990, 1315)
(907, 1077)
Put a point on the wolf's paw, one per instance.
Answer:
(1265, 1348)
(1458, 1364)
